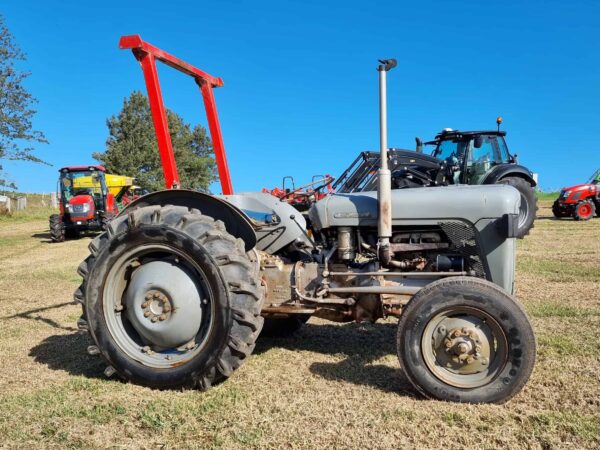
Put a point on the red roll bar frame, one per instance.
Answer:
(147, 55)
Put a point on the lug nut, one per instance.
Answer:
(163, 317)
(154, 319)
(147, 314)
(149, 296)
(484, 361)
(119, 308)
(470, 360)
(145, 305)
(465, 330)
(156, 295)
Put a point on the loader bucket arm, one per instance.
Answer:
(147, 55)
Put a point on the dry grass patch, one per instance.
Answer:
(329, 386)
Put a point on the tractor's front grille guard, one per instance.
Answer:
(464, 241)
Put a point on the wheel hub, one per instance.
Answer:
(157, 306)
(163, 304)
(463, 347)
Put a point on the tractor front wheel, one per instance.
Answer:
(584, 210)
(528, 208)
(463, 339)
(170, 298)
(57, 228)
(559, 212)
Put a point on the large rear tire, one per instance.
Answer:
(528, 208)
(170, 298)
(464, 339)
(57, 228)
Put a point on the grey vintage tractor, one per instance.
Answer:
(176, 291)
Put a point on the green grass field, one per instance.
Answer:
(330, 386)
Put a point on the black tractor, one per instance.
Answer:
(457, 157)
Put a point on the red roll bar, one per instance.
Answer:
(147, 55)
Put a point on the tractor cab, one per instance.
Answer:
(595, 178)
(473, 155)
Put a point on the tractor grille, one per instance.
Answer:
(463, 240)
(78, 208)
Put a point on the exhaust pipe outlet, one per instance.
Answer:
(384, 181)
(419, 142)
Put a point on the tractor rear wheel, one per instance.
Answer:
(584, 210)
(170, 298)
(528, 208)
(57, 228)
(464, 339)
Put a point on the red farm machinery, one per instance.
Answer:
(581, 202)
(89, 199)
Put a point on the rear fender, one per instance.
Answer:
(236, 222)
(508, 170)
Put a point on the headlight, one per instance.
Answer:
(70, 208)
(565, 194)
(86, 207)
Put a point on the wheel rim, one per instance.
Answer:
(464, 347)
(585, 210)
(158, 306)
(523, 211)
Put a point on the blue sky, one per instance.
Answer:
(300, 95)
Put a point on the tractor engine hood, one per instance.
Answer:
(81, 207)
(471, 203)
(581, 187)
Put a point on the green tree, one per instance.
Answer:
(16, 110)
(131, 148)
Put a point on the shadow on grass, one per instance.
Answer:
(44, 237)
(34, 314)
(360, 345)
(68, 352)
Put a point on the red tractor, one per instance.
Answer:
(580, 201)
(86, 202)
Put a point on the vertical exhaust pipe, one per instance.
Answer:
(384, 180)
